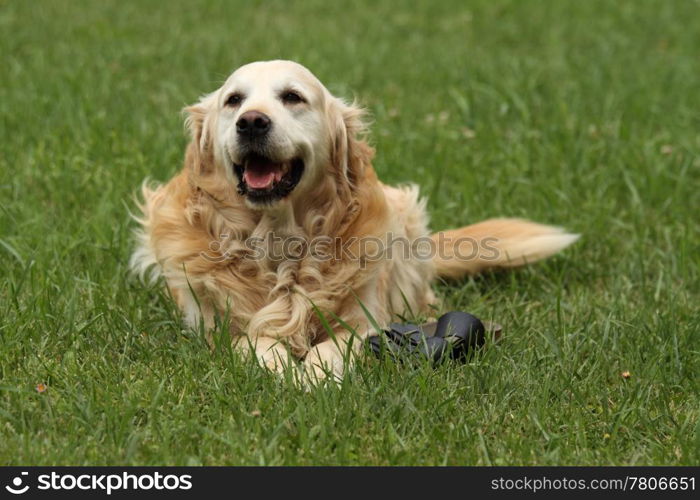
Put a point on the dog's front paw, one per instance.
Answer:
(324, 362)
(270, 353)
(274, 359)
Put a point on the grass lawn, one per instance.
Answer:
(584, 114)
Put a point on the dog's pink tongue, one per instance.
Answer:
(260, 175)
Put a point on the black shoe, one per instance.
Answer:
(457, 333)
(463, 331)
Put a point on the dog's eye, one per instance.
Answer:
(291, 97)
(234, 100)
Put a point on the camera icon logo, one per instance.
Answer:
(17, 483)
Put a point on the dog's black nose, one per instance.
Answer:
(253, 124)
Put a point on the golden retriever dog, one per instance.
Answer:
(279, 222)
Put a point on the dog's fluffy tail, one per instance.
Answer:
(496, 243)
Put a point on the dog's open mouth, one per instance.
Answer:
(263, 180)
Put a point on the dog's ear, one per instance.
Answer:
(350, 152)
(198, 119)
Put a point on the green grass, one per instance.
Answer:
(584, 114)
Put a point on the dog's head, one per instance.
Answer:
(276, 131)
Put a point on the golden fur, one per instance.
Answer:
(194, 231)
